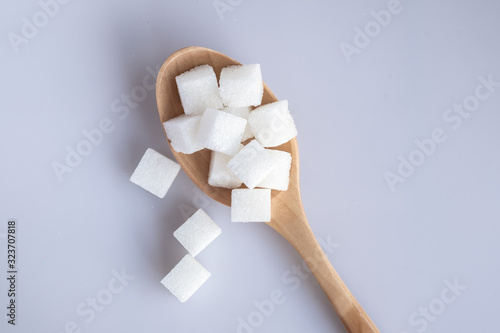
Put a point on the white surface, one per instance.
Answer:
(393, 249)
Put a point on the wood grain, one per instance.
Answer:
(288, 217)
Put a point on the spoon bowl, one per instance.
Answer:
(287, 217)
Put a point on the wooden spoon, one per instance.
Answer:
(288, 217)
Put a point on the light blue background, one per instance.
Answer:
(394, 249)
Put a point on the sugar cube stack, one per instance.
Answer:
(182, 131)
(197, 232)
(272, 124)
(185, 278)
(198, 90)
(219, 175)
(241, 85)
(252, 164)
(279, 178)
(243, 113)
(251, 205)
(221, 131)
(155, 173)
(219, 116)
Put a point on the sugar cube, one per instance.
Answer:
(155, 173)
(279, 178)
(197, 232)
(185, 278)
(219, 174)
(243, 113)
(198, 90)
(251, 205)
(241, 85)
(182, 132)
(272, 124)
(252, 164)
(221, 131)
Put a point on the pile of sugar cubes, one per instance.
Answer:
(220, 116)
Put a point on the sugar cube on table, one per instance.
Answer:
(241, 85)
(155, 173)
(197, 232)
(279, 178)
(272, 124)
(251, 205)
(252, 164)
(219, 174)
(185, 278)
(198, 90)
(221, 131)
(182, 132)
(242, 112)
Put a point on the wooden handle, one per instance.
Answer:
(352, 315)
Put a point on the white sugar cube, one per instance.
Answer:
(241, 85)
(243, 113)
(251, 205)
(279, 178)
(182, 132)
(221, 131)
(252, 164)
(197, 232)
(155, 173)
(272, 124)
(198, 90)
(185, 278)
(219, 174)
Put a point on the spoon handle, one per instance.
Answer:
(352, 315)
